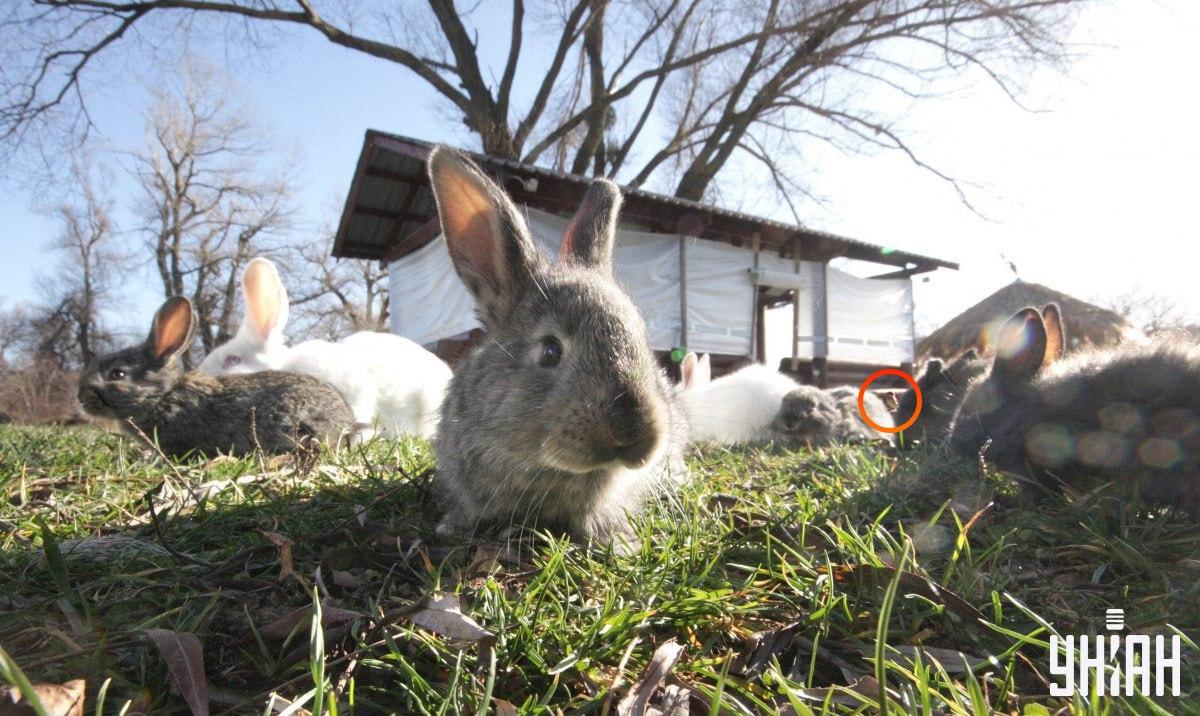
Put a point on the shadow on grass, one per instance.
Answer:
(751, 545)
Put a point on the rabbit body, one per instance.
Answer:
(561, 417)
(811, 416)
(735, 408)
(389, 381)
(189, 411)
(943, 387)
(1128, 415)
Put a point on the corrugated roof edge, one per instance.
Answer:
(370, 142)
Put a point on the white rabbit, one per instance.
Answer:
(389, 381)
(734, 408)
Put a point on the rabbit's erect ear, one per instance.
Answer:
(592, 232)
(933, 368)
(1021, 347)
(487, 238)
(969, 354)
(266, 301)
(687, 370)
(1056, 334)
(171, 331)
(703, 370)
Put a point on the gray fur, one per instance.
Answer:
(1128, 415)
(810, 416)
(581, 444)
(943, 387)
(188, 411)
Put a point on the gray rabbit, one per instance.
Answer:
(943, 387)
(1128, 415)
(810, 416)
(562, 416)
(191, 412)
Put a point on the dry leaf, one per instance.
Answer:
(284, 544)
(666, 656)
(345, 580)
(503, 708)
(950, 659)
(676, 701)
(283, 627)
(56, 700)
(863, 691)
(185, 662)
(440, 614)
(910, 582)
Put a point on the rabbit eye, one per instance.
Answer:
(551, 354)
(231, 361)
(117, 374)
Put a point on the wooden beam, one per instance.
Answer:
(419, 237)
(418, 179)
(683, 317)
(378, 213)
(755, 354)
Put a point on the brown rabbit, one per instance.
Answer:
(188, 411)
(1128, 415)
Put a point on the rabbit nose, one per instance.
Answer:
(629, 431)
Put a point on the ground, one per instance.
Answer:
(769, 579)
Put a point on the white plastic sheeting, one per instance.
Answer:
(869, 320)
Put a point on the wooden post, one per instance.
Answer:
(755, 331)
(796, 310)
(821, 328)
(683, 317)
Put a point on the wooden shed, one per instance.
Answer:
(705, 278)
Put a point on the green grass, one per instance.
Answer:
(803, 546)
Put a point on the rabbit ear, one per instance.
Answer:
(1056, 335)
(172, 329)
(687, 370)
(592, 232)
(1021, 347)
(266, 301)
(933, 368)
(969, 354)
(703, 370)
(487, 238)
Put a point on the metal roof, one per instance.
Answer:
(390, 210)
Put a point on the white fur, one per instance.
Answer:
(389, 381)
(735, 408)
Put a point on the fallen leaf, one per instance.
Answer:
(345, 580)
(666, 656)
(280, 705)
(950, 659)
(56, 700)
(441, 614)
(503, 708)
(792, 650)
(864, 691)
(910, 582)
(283, 627)
(284, 544)
(185, 662)
(676, 701)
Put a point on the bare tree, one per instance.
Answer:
(1153, 312)
(330, 297)
(713, 79)
(82, 283)
(206, 204)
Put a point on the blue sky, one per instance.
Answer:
(1093, 196)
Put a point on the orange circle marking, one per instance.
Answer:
(871, 379)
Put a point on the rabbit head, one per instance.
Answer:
(1027, 343)
(566, 380)
(259, 343)
(943, 386)
(806, 410)
(121, 384)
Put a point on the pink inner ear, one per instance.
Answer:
(467, 214)
(262, 298)
(171, 328)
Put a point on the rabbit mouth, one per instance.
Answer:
(93, 401)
